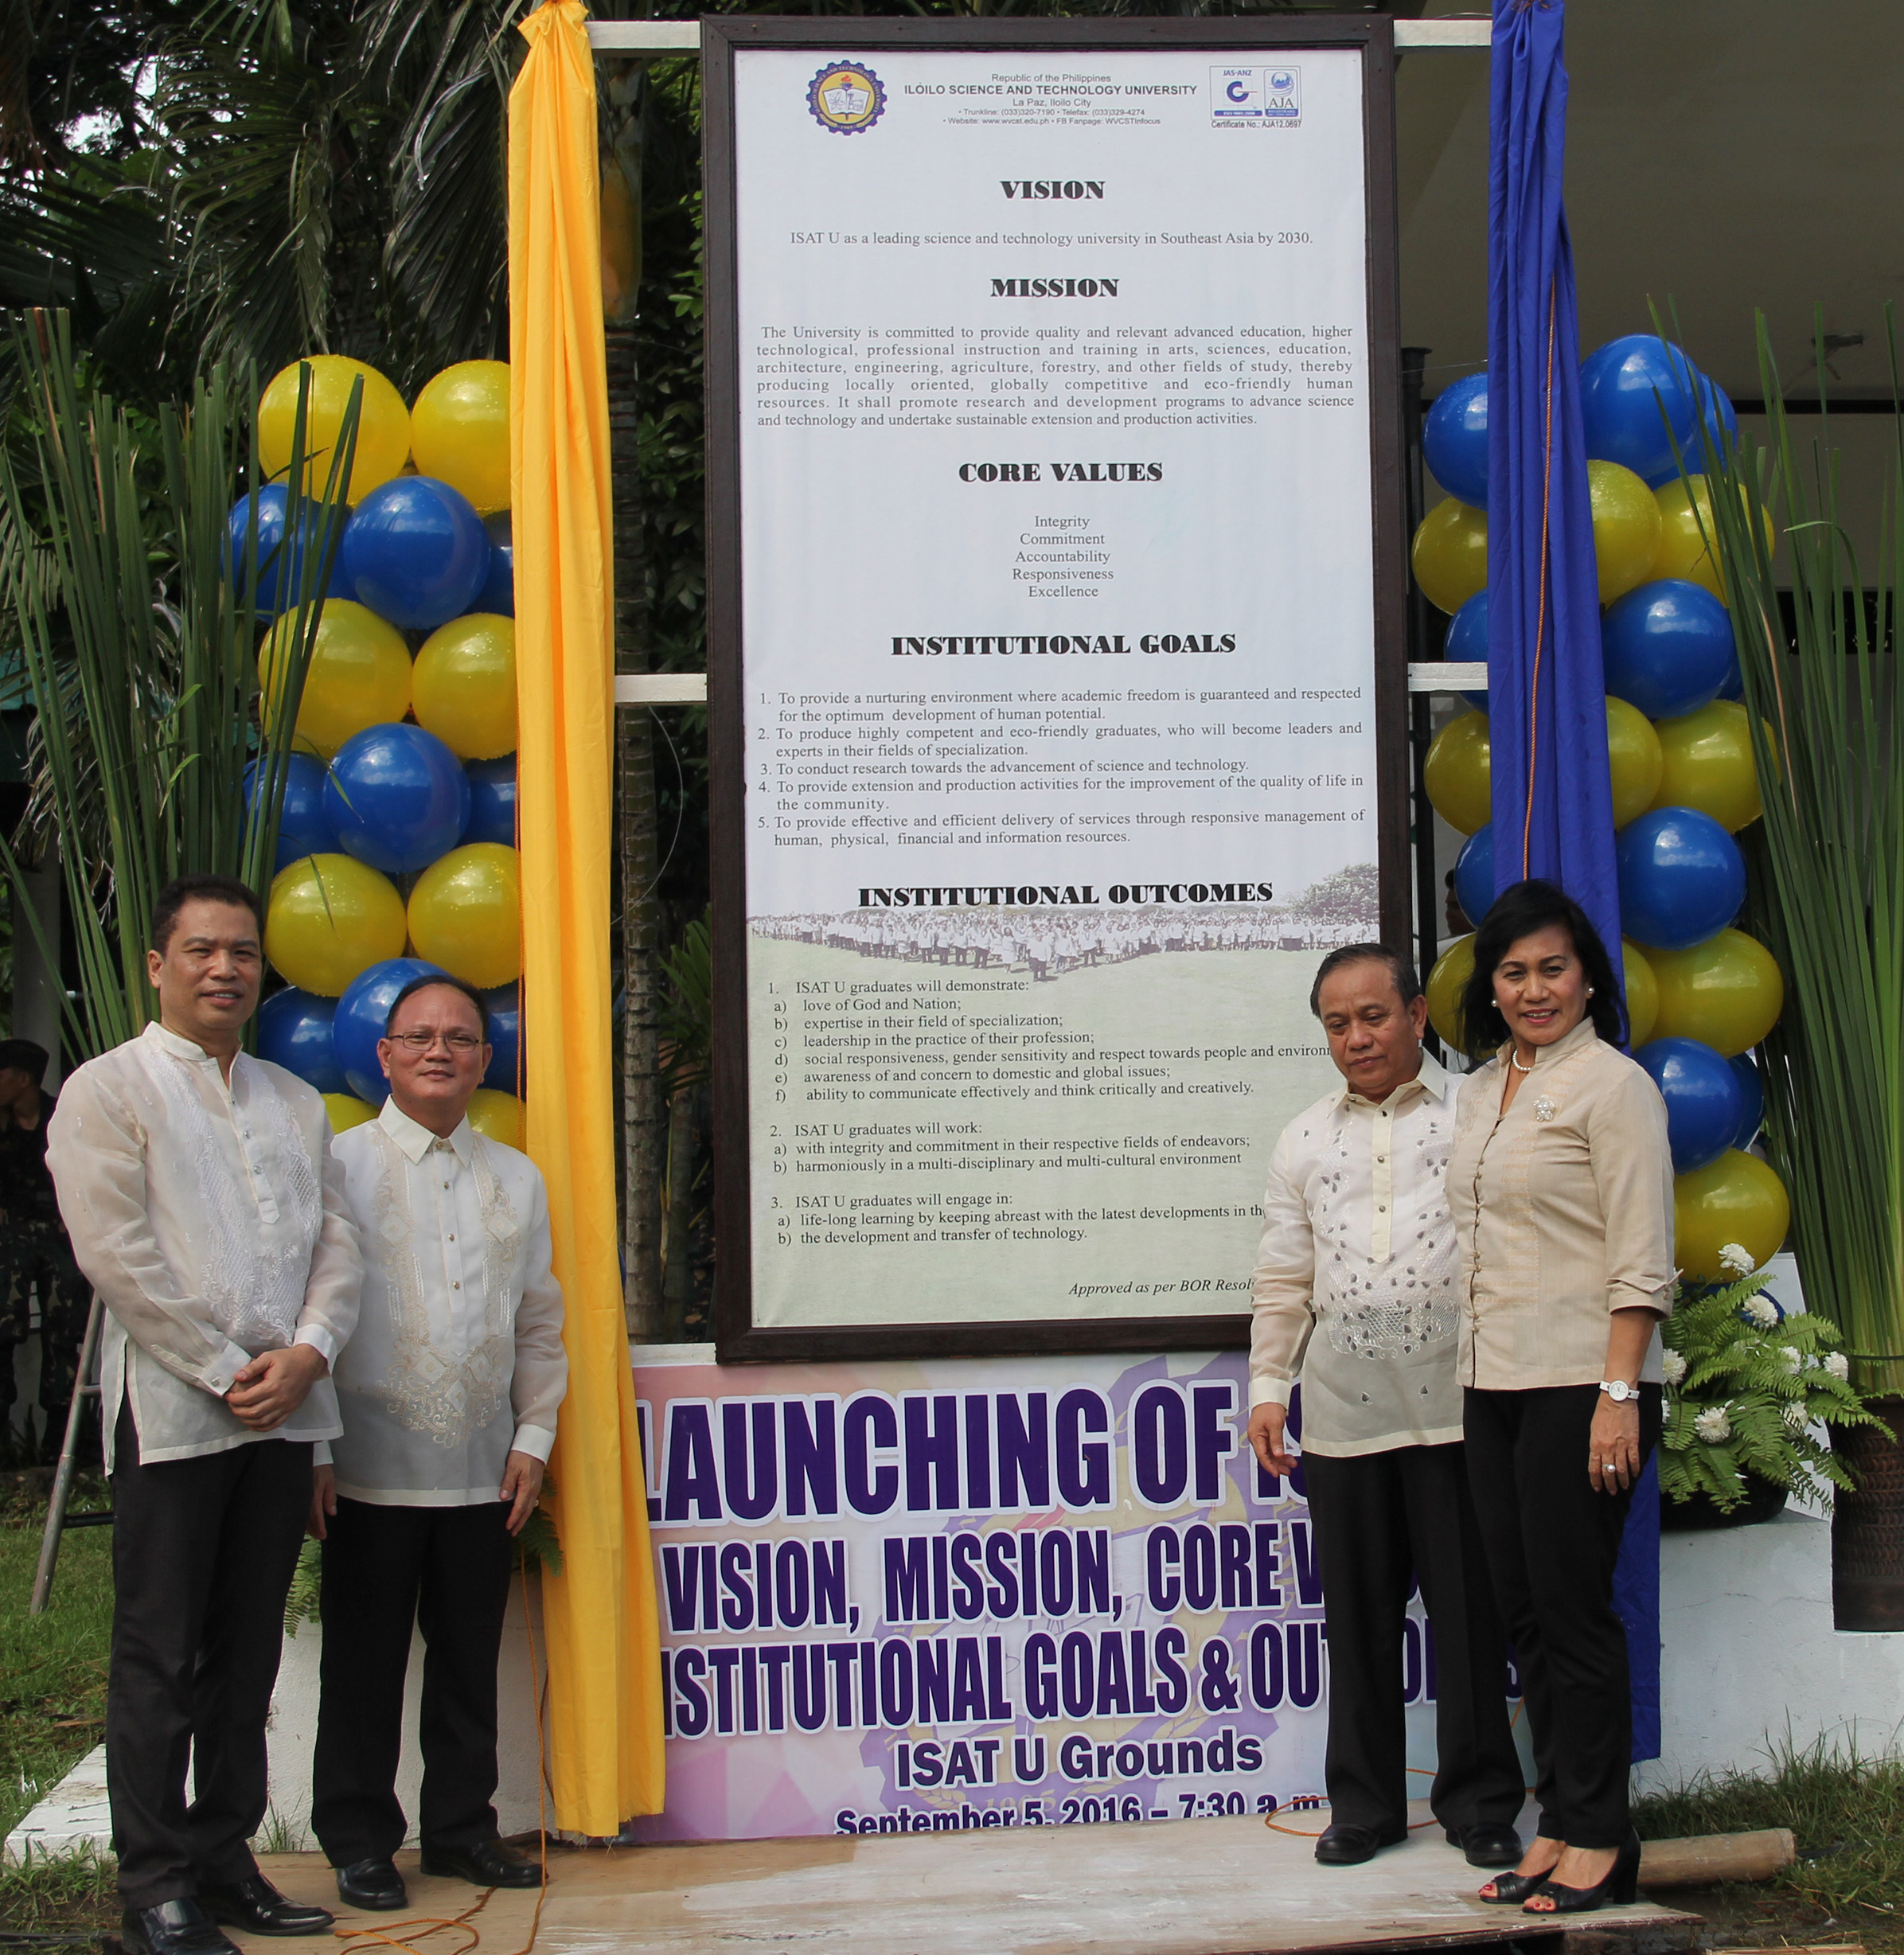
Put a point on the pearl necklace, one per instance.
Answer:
(1514, 1060)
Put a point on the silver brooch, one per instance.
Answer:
(1544, 1108)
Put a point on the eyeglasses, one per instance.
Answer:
(459, 1043)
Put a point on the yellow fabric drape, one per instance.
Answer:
(604, 1728)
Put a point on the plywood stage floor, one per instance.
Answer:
(1215, 1886)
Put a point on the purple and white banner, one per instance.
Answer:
(981, 1592)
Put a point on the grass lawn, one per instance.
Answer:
(1847, 1884)
(52, 1702)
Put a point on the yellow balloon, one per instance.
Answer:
(1685, 503)
(1735, 1199)
(1709, 764)
(1445, 984)
(497, 1116)
(460, 431)
(359, 674)
(1727, 991)
(1456, 772)
(1632, 760)
(1450, 554)
(1626, 529)
(346, 1111)
(382, 440)
(330, 917)
(463, 687)
(466, 914)
(1642, 994)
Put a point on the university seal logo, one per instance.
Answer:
(846, 97)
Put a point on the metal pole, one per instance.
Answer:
(1427, 884)
(85, 1386)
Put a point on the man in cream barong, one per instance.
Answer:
(203, 1206)
(447, 1394)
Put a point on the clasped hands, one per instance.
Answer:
(273, 1385)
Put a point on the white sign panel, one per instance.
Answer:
(1059, 653)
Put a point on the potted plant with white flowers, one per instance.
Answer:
(1752, 1391)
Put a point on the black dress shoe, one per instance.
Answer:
(490, 1865)
(1487, 1845)
(257, 1907)
(173, 1928)
(1349, 1846)
(373, 1883)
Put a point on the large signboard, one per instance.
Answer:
(1057, 671)
(983, 1593)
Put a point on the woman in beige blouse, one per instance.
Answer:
(1560, 1183)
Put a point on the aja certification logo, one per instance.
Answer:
(846, 97)
(1256, 94)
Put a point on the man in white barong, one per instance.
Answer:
(203, 1206)
(448, 1395)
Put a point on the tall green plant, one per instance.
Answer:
(1827, 731)
(139, 638)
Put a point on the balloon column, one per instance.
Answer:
(1700, 993)
(396, 849)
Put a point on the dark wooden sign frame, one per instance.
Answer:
(738, 1338)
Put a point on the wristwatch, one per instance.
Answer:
(1619, 1390)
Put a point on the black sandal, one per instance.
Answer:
(1620, 1888)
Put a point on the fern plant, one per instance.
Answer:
(1748, 1385)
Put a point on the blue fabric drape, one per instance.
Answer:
(1552, 800)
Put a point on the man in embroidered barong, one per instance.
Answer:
(203, 1206)
(448, 1395)
(1355, 1298)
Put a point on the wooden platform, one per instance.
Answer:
(1217, 1886)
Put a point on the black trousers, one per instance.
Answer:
(203, 1553)
(386, 1570)
(1552, 1542)
(1383, 1521)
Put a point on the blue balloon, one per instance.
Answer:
(1752, 1097)
(1719, 419)
(1667, 648)
(498, 593)
(295, 1032)
(279, 570)
(1703, 1103)
(1467, 641)
(505, 1038)
(397, 797)
(1623, 386)
(303, 827)
(1734, 687)
(492, 801)
(1682, 878)
(1454, 441)
(1474, 874)
(415, 553)
(362, 1012)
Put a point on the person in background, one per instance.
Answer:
(204, 1207)
(1353, 1294)
(449, 1393)
(36, 1259)
(1561, 1185)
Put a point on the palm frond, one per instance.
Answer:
(1828, 735)
(139, 648)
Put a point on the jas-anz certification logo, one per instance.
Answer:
(846, 97)
(1260, 97)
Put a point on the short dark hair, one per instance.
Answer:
(1400, 968)
(1518, 912)
(184, 889)
(23, 1056)
(429, 980)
